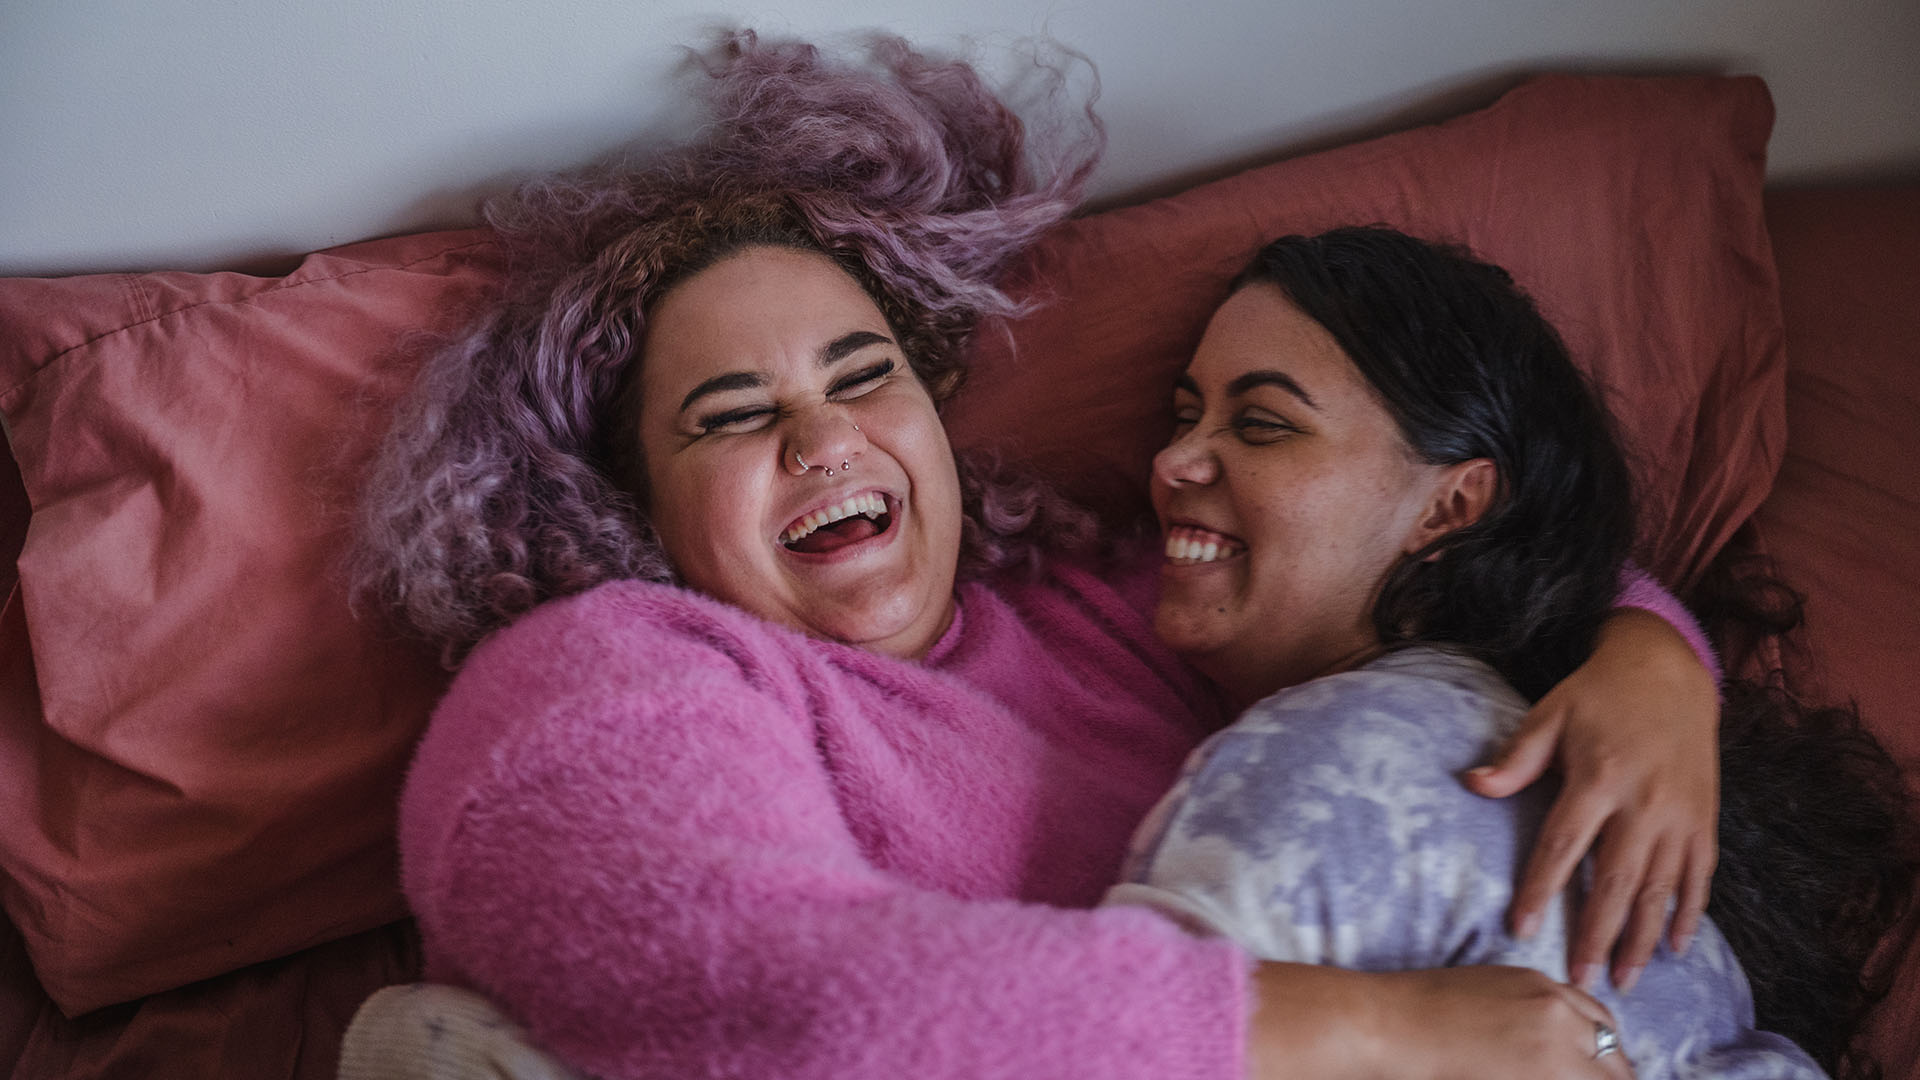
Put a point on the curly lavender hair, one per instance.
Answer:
(511, 476)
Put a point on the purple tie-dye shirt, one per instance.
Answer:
(1328, 825)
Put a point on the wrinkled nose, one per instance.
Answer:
(825, 439)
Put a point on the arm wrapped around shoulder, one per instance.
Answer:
(635, 826)
(1328, 824)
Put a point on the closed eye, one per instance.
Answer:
(861, 382)
(734, 421)
(1262, 429)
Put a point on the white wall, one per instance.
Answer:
(232, 133)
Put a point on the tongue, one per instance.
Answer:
(836, 536)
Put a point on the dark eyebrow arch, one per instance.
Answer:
(847, 344)
(831, 353)
(1281, 379)
(733, 380)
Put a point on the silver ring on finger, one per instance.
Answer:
(1605, 1041)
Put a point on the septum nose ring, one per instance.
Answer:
(845, 466)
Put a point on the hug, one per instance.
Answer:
(785, 742)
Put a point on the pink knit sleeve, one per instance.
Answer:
(1638, 589)
(640, 856)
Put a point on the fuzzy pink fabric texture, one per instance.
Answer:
(673, 840)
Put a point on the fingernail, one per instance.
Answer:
(1529, 926)
(1624, 980)
(1683, 943)
(1480, 771)
(1583, 976)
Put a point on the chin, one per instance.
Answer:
(1190, 633)
(872, 625)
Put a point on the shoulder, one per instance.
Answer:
(601, 689)
(619, 613)
(624, 632)
(1401, 728)
(601, 666)
(1426, 697)
(1329, 824)
(1093, 621)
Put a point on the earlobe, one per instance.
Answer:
(1460, 498)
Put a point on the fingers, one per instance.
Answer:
(1526, 757)
(1695, 885)
(1649, 914)
(1589, 1007)
(1652, 870)
(1618, 875)
(1640, 889)
(1571, 825)
(1614, 1065)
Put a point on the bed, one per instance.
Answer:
(201, 743)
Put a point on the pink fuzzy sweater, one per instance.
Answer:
(676, 841)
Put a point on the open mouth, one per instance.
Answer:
(1188, 545)
(832, 528)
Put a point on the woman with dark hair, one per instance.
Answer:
(1396, 515)
(781, 745)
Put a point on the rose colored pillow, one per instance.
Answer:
(1629, 208)
(199, 747)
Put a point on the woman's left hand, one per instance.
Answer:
(1634, 733)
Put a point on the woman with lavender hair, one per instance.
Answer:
(781, 744)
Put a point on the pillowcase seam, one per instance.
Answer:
(142, 302)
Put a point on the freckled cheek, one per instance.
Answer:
(1304, 508)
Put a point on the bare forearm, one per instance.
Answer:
(1483, 1023)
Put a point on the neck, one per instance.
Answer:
(1246, 684)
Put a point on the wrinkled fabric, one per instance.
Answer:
(202, 744)
(1328, 825)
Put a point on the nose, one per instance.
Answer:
(1185, 461)
(823, 438)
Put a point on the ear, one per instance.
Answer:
(1461, 494)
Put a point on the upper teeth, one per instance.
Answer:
(1188, 544)
(870, 504)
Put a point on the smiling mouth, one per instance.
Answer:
(1188, 545)
(830, 529)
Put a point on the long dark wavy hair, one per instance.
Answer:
(1468, 369)
(511, 475)
(1815, 833)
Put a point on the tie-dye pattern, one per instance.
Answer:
(1328, 825)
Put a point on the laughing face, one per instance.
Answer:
(1286, 496)
(796, 466)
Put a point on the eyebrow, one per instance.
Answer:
(830, 354)
(1263, 377)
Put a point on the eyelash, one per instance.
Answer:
(863, 380)
(864, 377)
(1249, 428)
